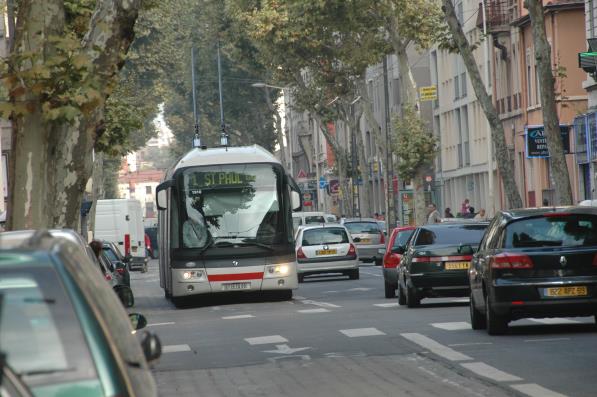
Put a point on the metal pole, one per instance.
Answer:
(220, 88)
(193, 78)
(289, 137)
(491, 201)
(388, 171)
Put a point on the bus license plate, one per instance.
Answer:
(326, 252)
(235, 286)
(457, 265)
(566, 291)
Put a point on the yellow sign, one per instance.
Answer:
(210, 179)
(428, 93)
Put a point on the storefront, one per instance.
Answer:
(585, 135)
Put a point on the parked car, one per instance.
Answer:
(62, 328)
(539, 262)
(152, 234)
(434, 263)
(368, 237)
(111, 253)
(391, 258)
(326, 249)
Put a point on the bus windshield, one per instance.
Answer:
(231, 204)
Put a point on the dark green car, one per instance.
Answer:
(63, 329)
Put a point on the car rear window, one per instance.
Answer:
(553, 231)
(362, 227)
(402, 238)
(110, 254)
(39, 330)
(452, 234)
(314, 219)
(324, 236)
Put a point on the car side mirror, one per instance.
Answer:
(138, 321)
(465, 250)
(125, 294)
(399, 250)
(296, 200)
(120, 265)
(161, 195)
(127, 258)
(151, 346)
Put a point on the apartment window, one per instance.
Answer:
(147, 189)
(537, 86)
(458, 124)
(465, 136)
(456, 87)
(463, 84)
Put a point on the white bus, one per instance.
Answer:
(225, 224)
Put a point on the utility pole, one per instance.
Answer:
(196, 139)
(223, 126)
(388, 174)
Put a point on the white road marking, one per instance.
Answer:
(238, 317)
(358, 332)
(453, 326)
(490, 372)
(158, 324)
(308, 311)
(534, 390)
(175, 348)
(330, 292)
(360, 289)
(321, 304)
(392, 304)
(371, 274)
(470, 344)
(434, 347)
(285, 349)
(557, 320)
(264, 340)
(459, 300)
(546, 340)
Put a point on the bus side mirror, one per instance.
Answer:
(296, 201)
(161, 195)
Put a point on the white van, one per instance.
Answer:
(120, 221)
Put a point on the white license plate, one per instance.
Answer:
(235, 286)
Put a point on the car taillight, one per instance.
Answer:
(382, 238)
(127, 244)
(511, 261)
(120, 270)
(391, 261)
(421, 259)
(352, 251)
(108, 277)
(300, 254)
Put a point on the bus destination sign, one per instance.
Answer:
(200, 180)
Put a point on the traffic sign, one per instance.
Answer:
(322, 183)
(428, 93)
(301, 174)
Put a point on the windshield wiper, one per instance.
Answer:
(255, 243)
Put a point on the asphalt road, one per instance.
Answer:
(341, 337)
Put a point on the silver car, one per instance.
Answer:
(368, 237)
(326, 249)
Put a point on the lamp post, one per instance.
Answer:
(490, 194)
(288, 122)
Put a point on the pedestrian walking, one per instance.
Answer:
(433, 215)
(464, 208)
(448, 213)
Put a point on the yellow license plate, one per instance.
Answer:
(566, 291)
(365, 240)
(326, 252)
(457, 265)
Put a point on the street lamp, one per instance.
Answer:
(289, 137)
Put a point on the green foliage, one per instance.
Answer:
(413, 143)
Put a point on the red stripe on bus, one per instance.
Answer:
(235, 276)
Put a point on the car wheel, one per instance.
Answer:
(301, 278)
(412, 300)
(285, 295)
(167, 294)
(178, 301)
(401, 297)
(496, 324)
(354, 274)
(390, 290)
(477, 318)
(378, 262)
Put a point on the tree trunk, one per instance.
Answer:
(365, 189)
(29, 207)
(419, 197)
(505, 162)
(557, 158)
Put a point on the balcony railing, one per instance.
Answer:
(499, 13)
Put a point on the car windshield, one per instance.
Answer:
(362, 227)
(324, 236)
(231, 202)
(402, 238)
(451, 235)
(559, 231)
(314, 219)
(39, 331)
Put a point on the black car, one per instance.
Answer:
(539, 262)
(111, 254)
(434, 263)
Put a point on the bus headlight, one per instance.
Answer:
(193, 275)
(277, 270)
